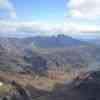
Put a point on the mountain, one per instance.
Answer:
(52, 59)
(58, 41)
(42, 54)
(95, 40)
(12, 55)
(86, 86)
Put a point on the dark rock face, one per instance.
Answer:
(39, 64)
(81, 89)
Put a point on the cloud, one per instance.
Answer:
(85, 9)
(35, 28)
(8, 7)
(89, 9)
(39, 28)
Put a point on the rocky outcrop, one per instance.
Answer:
(84, 87)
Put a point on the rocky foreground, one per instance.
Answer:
(86, 86)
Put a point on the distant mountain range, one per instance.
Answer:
(95, 41)
(58, 41)
(39, 54)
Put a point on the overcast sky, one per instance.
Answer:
(50, 17)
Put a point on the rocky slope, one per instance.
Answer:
(83, 87)
(24, 55)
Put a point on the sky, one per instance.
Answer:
(50, 17)
(40, 10)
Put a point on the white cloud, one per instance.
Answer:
(39, 28)
(84, 8)
(77, 8)
(35, 28)
(8, 7)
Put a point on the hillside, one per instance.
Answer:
(59, 41)
(20, 55)
(12, 55)
(40, 54)
(48, 72)
(84, 87)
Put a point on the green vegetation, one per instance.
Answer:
(5, 88)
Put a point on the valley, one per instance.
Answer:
(31, 69)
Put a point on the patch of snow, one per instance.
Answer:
(1, 83)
